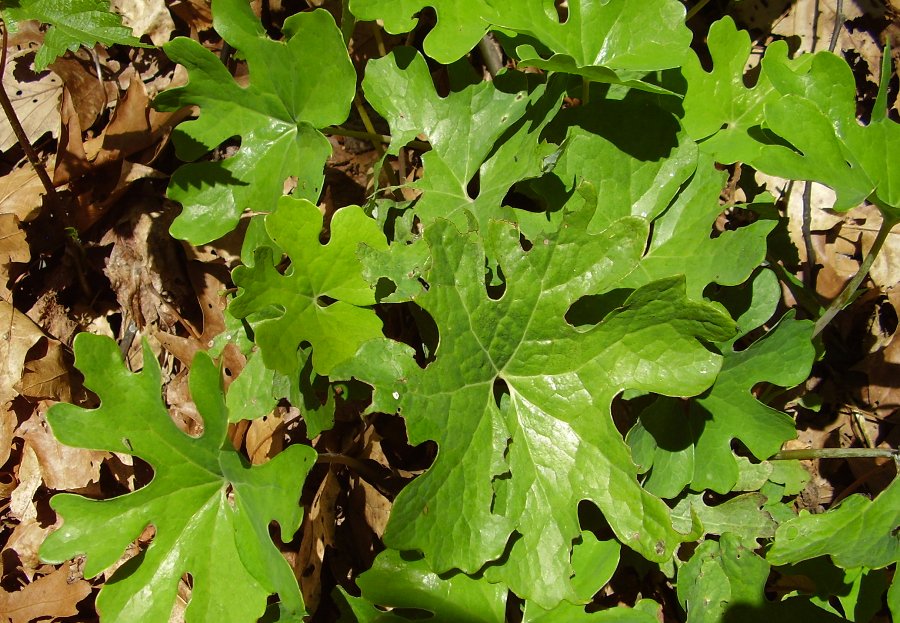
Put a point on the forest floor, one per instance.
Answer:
(103, 262)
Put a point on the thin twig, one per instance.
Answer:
(836, 453)
(696, 9)
(838, 23)
(806, 228)
(19, 131)
(838, 303)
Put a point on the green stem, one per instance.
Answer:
(838, 303)
(836, 453)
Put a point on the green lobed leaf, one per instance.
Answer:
(210, 510)
(519, 401)
(720, 111)
(500, 120)
(73, 23)
(682, 242)
(302, 297)
(830, 146)
(725, 581)
(693, 445)
(460, 23)
(744, 516)
(601, 33)
(631, 150)
(277, 116)
(402, 582)
(250, 394)
(644, 611)
(858, 533)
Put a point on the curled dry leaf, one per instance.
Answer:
(62, 467)
(318, 532)
(25, 541)
(50, 596)
(17, 335)
(146, 17)
(48, 373)
(20, 193)
(35, 98)
(21, 502)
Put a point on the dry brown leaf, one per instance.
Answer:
(17, 335)
(318, 532)
(144, 268)
(134, 127)
(51, 596)
(265, 438)
(80, 79)
(20, 193)
(195, 13)
(48, 373)
(63, 468)
(35, 98)
(21, 502)
(146, 17)
(13, 248)
(25, 541)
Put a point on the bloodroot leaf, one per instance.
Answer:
(210, 510)
(858, 533)
(518, 400)
(321, 298)
(277, 116)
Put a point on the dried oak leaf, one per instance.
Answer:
(49, 597)
(35, 98)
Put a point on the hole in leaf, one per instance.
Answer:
(501, 393)
(591, 519)
(495, 283)
(229, 495)
(592, 309)
(384, 288)
(325, 301)
(474, 185)
(562, 11)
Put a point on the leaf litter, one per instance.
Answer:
(123, 277)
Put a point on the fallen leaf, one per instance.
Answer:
(21, 502)
(20, 193)
(13, 248)
(34, 96)
(63, 468)
(48, 373)
(50, 596)
(195, 13)
(146, 17)
(81, 80)
(25, 541)
(265, 438)
(17, 335)
(318, 532)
